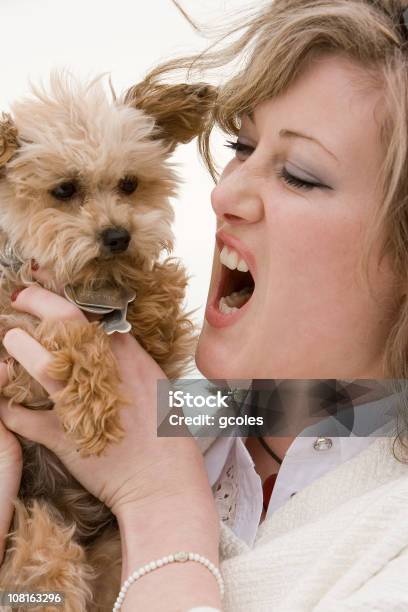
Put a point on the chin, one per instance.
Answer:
(213, 358)
(209, 358)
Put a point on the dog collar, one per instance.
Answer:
(9, 257)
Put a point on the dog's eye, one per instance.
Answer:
(64, 191)
(128, 184)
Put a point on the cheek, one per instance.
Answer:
(314, 249)
(17, 213)
(152, 231)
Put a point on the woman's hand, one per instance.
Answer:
(157, 487)
(142, 467)
(10, 475)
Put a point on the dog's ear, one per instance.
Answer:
(181, 111)
(8, 139)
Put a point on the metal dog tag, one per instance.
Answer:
(105, 298)
(71, 295)
(116, 322)
(109, 301)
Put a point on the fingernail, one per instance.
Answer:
(34, 265)
(15, 293)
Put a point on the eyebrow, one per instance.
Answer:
(291, 134)
(284, 133)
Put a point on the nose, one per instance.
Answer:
(116, 239)
(237, 198)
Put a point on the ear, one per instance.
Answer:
(181, 111)
(8, 139)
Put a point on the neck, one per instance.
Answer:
(279, 445)
(265, 465)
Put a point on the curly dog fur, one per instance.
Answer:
(73, 138)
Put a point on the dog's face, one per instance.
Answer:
(86, 191)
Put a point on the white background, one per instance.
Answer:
(124, 38)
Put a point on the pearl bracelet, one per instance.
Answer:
(179, 557)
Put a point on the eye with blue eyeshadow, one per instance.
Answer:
(299, 183)
(288, 177)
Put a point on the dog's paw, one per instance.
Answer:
(89, 403)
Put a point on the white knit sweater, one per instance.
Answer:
(339, 544)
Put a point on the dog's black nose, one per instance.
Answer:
(116, 239)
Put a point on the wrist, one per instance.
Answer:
(195, 584)
(173, 474)
(171, 524)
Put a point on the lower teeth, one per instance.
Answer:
(225, 308)
(233, 302)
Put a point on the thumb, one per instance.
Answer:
(40, 426)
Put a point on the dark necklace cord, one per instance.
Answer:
(269, 450)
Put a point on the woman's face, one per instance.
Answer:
(293, 205)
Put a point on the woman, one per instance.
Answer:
(317, 187)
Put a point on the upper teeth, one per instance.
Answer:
(232, 260)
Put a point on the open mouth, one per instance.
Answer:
(236, 284)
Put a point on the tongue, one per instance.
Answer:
(238, 298)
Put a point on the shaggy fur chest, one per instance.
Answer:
(45, 477)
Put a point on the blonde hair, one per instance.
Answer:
(271, 48)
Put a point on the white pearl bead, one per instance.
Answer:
(149, 567)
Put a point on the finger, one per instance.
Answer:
(45, 304)
(41, 426)
(45, 278)
(32, 356)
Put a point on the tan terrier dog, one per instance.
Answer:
(85, 183)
